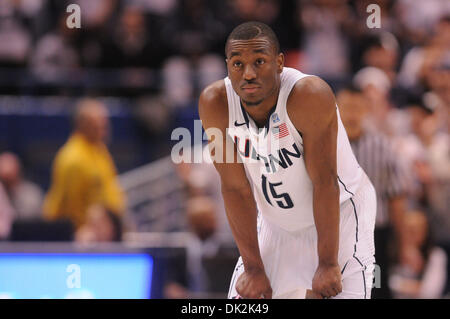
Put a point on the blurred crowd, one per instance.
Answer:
(84, 194)
(392, 86)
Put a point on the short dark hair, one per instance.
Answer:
(417, 100)
(252, 30)
(371, 41)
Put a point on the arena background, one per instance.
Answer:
(146, 61)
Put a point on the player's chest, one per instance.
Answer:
(269, 150)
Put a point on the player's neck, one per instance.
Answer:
(259, 113)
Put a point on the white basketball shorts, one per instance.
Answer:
(290, 260)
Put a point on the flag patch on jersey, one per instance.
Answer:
(280, 131)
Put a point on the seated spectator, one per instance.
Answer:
(83, 171)
(201, 179)
(6, 214)
(202, 217)
(96, 13)
(421, 61)
(414, 148)
(101, 226)
(324, 39)
(419, 18)
(425, 273)
(194, 36)
(376, 156)
(202, 220)
(25, 196)
(55, 56)
(425, 151)
(381, 51)
(376, 86)
(134, 43)
(15, 54)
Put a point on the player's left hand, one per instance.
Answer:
(254, 284)
(327, 280)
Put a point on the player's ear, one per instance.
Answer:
(280, 62)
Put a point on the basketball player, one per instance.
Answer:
(302, 214)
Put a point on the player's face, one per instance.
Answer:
(254, 69)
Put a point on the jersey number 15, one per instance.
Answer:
(283, 200)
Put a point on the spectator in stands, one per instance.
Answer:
(414, 147)
(25, 196)
(202, 217)
(277, 14)
(95, 13)
(6, 214)
(381, 51)
(421, 61)
(425, 151)
(83, 170)
(438, 152)
(202, 220)
(101, 226)
(201, 179)
(55, 55)
(424, 273)
(19, 40)
(158, 8)
(324, 39)
(135, 42)
(377, 158)
(376, 86)
(418, 18)
(194, 38)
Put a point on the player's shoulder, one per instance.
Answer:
(311, 104)
(213, 102)
(311, 87)
(214, 95)
(311, 95)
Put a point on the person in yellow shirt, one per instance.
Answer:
(83, 171)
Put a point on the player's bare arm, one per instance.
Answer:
(237, 194)
(312, 109)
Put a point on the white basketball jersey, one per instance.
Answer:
(273, 158)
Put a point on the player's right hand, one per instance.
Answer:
(327, 280)
(254, 284)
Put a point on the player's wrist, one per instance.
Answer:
(328, 262)
(328, 257)
(254, 268)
